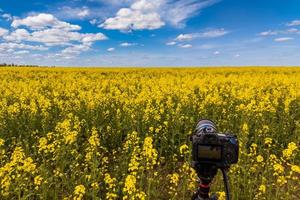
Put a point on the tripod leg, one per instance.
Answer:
(202, 192)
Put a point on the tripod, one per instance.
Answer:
(203, 191)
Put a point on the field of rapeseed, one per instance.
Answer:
(123, 133)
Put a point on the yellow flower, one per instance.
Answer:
(174, 178)
(281, 180)
(42, 144)
(292, 146)
(18, 155)
(29, 165)
(245, 128)
(278, 168)
(184, 149)
(221, 195)
(38, 180)
(295, 168)
(95, 185)
(273, 158)
(259, 158)
(79, 191)
(111, 185)
(149, 153)
(109, 181)
(130, 182)
(253, 149)
(268, 141)
(174, 181)
(1, 142)
(141, 196)
(94, 139)
(287, 153)
(262, 189)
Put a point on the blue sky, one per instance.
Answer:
(150, 32)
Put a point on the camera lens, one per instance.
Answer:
(205, 126)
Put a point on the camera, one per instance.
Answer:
(212, 148)
(211, 151)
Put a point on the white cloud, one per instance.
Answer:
(91, 37)
(17, 35)
(172, 43)
(3, 32)
(93, 21)
(267, 33)
(216, 53)
(283, 39)
(128, 19)
(67, 12)
(211, 33)
(84, 12)
(44, 21)
(126, 44)
(17, 57)
(75, 50)
(237, 55)
(177, 12)
(8, 50)
(110, 49)
(146, 5)
(57, 37)
(21, 52)
(293, 30)
(185, 46)
(145, 14)
(12, 45)
(53, 36)
(49, 31)
(184, 37)
(7, 16)
(294, 23)
(96, 13)
(278, 32)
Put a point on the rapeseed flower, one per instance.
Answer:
(259, 159)
(79, 192)
(108, 126)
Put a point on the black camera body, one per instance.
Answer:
(210, 148)
(218, 149)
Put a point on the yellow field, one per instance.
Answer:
(123, 133)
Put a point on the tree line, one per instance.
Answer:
(17, 65)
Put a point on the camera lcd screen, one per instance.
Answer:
(210, 152)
